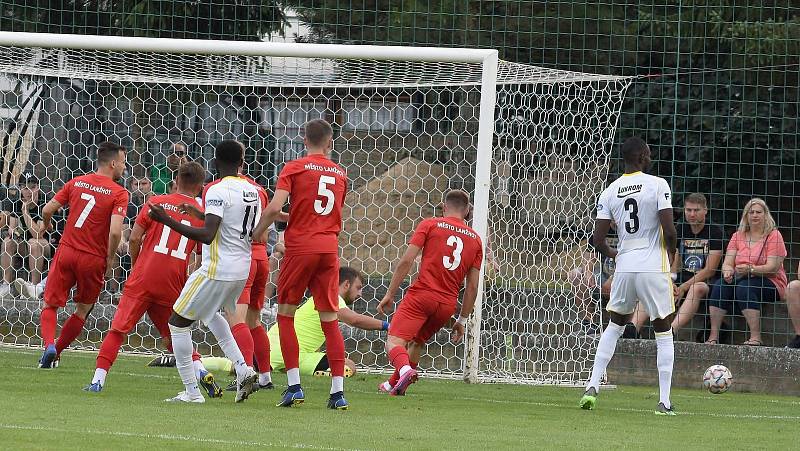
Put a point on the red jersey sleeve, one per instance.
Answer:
(62, 196)
(143, 219)
(285, 178)
(120, 203)
(421, 234)
(478, 256)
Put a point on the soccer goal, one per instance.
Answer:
(531, 144)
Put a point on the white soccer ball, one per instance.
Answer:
(718, 379)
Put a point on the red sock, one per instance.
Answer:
(396, 375)
(47, 324)
(398, 355)
(289, 346)
(69, 332)
(109, 349)
(334, 346)
(241, 333)
(261, 347)
(195, 355)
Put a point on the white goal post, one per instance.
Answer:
(531, 144)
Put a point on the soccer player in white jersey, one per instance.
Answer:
(232, 209)
(641, 205)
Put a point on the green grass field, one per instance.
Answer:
(46, 409)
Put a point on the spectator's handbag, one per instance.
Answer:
(760, 253)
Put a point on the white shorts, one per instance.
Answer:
(202, 297)
(652, 289)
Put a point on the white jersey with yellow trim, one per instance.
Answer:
(236, 201)
(633, 202)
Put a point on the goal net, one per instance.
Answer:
(409, 124)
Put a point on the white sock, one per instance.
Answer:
(665, 359)
(294, 376)
(264, 378)
(337, 384)
(387, 386)
(182, 348)
(99, 376)
(605, 351)
(404, 370)
(198, 368)
(219, 327)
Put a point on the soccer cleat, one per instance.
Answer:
(26, 289)
(231, 386)
(186, 397)
(48, 359)
(209, 384)
(166, 360)
(408, 378)
(661, 410)
(337, 402)
(94, 387)
(384, 388)
(245, 385)
(589, 400)
(267, 386)
(289, 399)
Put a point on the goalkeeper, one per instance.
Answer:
(309, 332)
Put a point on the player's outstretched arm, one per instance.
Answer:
(601, 228)
(203, 234)
(270, 214)
(400, 273)
(360, 321)
(48, 211)
(135, 242)
(468, 304)
(114, 236)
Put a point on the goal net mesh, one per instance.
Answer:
(405, 131)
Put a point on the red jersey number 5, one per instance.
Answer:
(327, 194)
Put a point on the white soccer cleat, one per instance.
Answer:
(26, 289)
(186, 397)
(245, 385)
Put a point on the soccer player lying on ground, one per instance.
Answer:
(232, 207)
(160, 258)
(451, 252)
(97, 206)
(310, 337)
(317, 187)
(640, 204)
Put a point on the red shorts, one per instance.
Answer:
(317, 272)
(256, 286)
(130, 310)
(70, 267)
(418, 319)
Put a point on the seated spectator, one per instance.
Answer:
(697, 264)
(590, 280)
(793, 305)
(162, 174)
(141, 188)
(26, 237)
(752, 272)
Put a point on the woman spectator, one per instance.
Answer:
(752, 272)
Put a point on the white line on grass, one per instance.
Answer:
(169, 437)
(623, 409)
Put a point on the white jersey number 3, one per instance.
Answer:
(323, 191)
(451, 263)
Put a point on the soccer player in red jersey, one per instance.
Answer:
(160, 258)
(97, 205)
(317, 187)
(245, 322)
(451, 253)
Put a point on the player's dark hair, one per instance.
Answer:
(348, 274)
(696, 198)
(229, 154)
(458, 199)
(632, 149)
(317, 131)
(108, 151)
(191, 174)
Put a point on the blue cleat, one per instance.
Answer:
(209, 384)
(337, 402)
(94, 387)
(48, 358)
(291, 398)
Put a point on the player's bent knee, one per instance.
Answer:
(393, 342)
